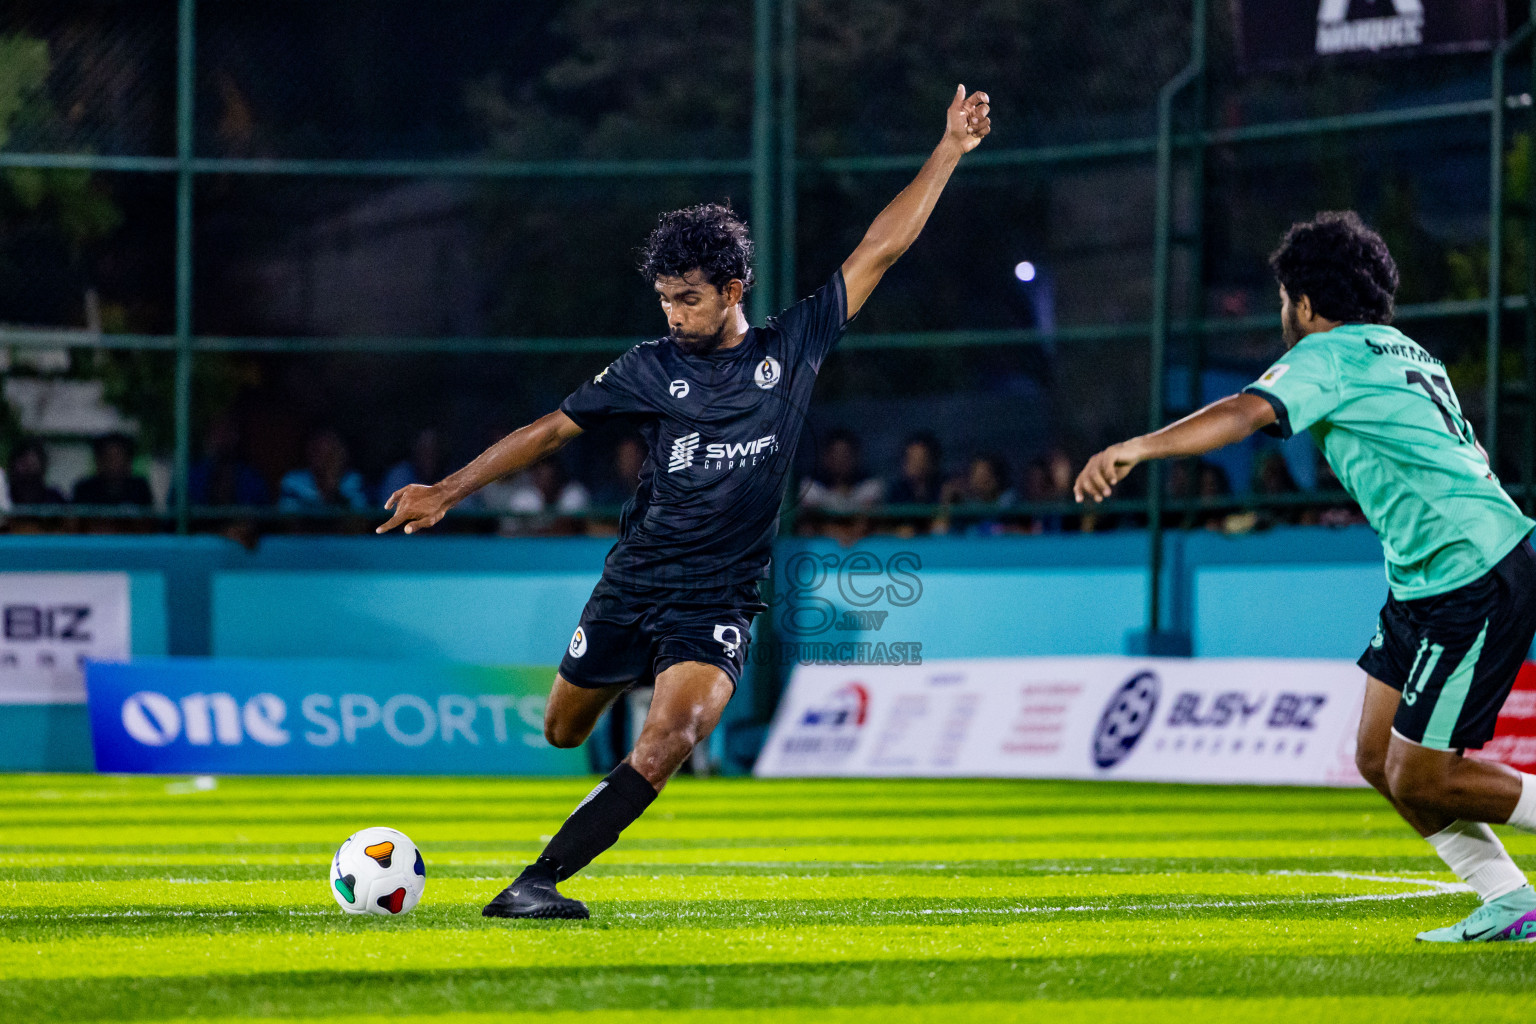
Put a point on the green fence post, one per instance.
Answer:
(1491, 388)
(1528, 435)
(185, 64)
(1495, 254)
(763, 235)
(788, 181)
(1158, 356)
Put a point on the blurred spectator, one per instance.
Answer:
(425, 466)
(221, 476)
(545, 493)
(325, 481)
(985, 484)
(27, 475)
(1212, 487)
(1274, 479)
(920, 482)
(624, 478)
(114, 482)
(1049, 478)
(840, 484)
(921, 478)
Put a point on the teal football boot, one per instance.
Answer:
(1510, 918)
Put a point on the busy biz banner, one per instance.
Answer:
(53, 622)
(1286, 32)
(1160, 719)
(324, 716)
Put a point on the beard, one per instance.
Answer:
(698, 344)
(1290, 326)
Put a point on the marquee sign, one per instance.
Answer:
(1275, 33)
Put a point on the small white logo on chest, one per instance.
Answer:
(679, 389)
(767, 373)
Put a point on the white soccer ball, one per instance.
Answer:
(378, 871)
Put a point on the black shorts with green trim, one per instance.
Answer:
(1455, 656)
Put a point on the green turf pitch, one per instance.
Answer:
(739, 901)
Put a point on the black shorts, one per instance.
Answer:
(1455, 656)
(631, 636)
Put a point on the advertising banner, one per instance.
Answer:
(1276, 33)
(51, 623)
(322, 716)
(1267, 721)
(1514, 742)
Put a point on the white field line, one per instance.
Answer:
(1425, 887)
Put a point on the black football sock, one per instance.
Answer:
(595, 824)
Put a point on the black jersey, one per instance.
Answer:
(721, 431)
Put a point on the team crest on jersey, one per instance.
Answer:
(1273, 374)
(578, 642)
(599, 378)
(767, 373)
(679, 389)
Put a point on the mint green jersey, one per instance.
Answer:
(1386, 417)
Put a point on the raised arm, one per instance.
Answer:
(899, 224)
(1217, 425)
(419, 506)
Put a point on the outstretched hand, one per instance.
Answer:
(967, 122)
(1104, 471)
(418, 506)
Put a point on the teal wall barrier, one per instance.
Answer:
(1294, 611)
(503, 618)
(1299, 592)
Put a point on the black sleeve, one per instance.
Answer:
(813, 326)
(1281, 428)
(618, 391)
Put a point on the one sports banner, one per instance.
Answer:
(1275, 33)
(322, 716)
(1268, 721)
(53, 622)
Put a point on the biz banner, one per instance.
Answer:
(1267, 721)
(322, 716)
(53, 622)
(1276, 33)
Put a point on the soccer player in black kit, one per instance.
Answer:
(719, 405)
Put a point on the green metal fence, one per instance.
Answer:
(1182, 143)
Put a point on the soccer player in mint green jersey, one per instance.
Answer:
(1461, 611)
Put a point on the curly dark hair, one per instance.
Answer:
(1341, 265)
(708, 237)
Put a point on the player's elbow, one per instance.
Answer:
(1255, 413)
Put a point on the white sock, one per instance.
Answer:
(1474, 853)
(1524, 815)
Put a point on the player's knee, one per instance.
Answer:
(1410, 784)
(1371, 762)
(663, 747)
(562, 734)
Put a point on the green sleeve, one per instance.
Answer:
(1303, 387)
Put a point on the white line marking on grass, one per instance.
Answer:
(1425, 887)
(1397, 879)
(157, 913)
